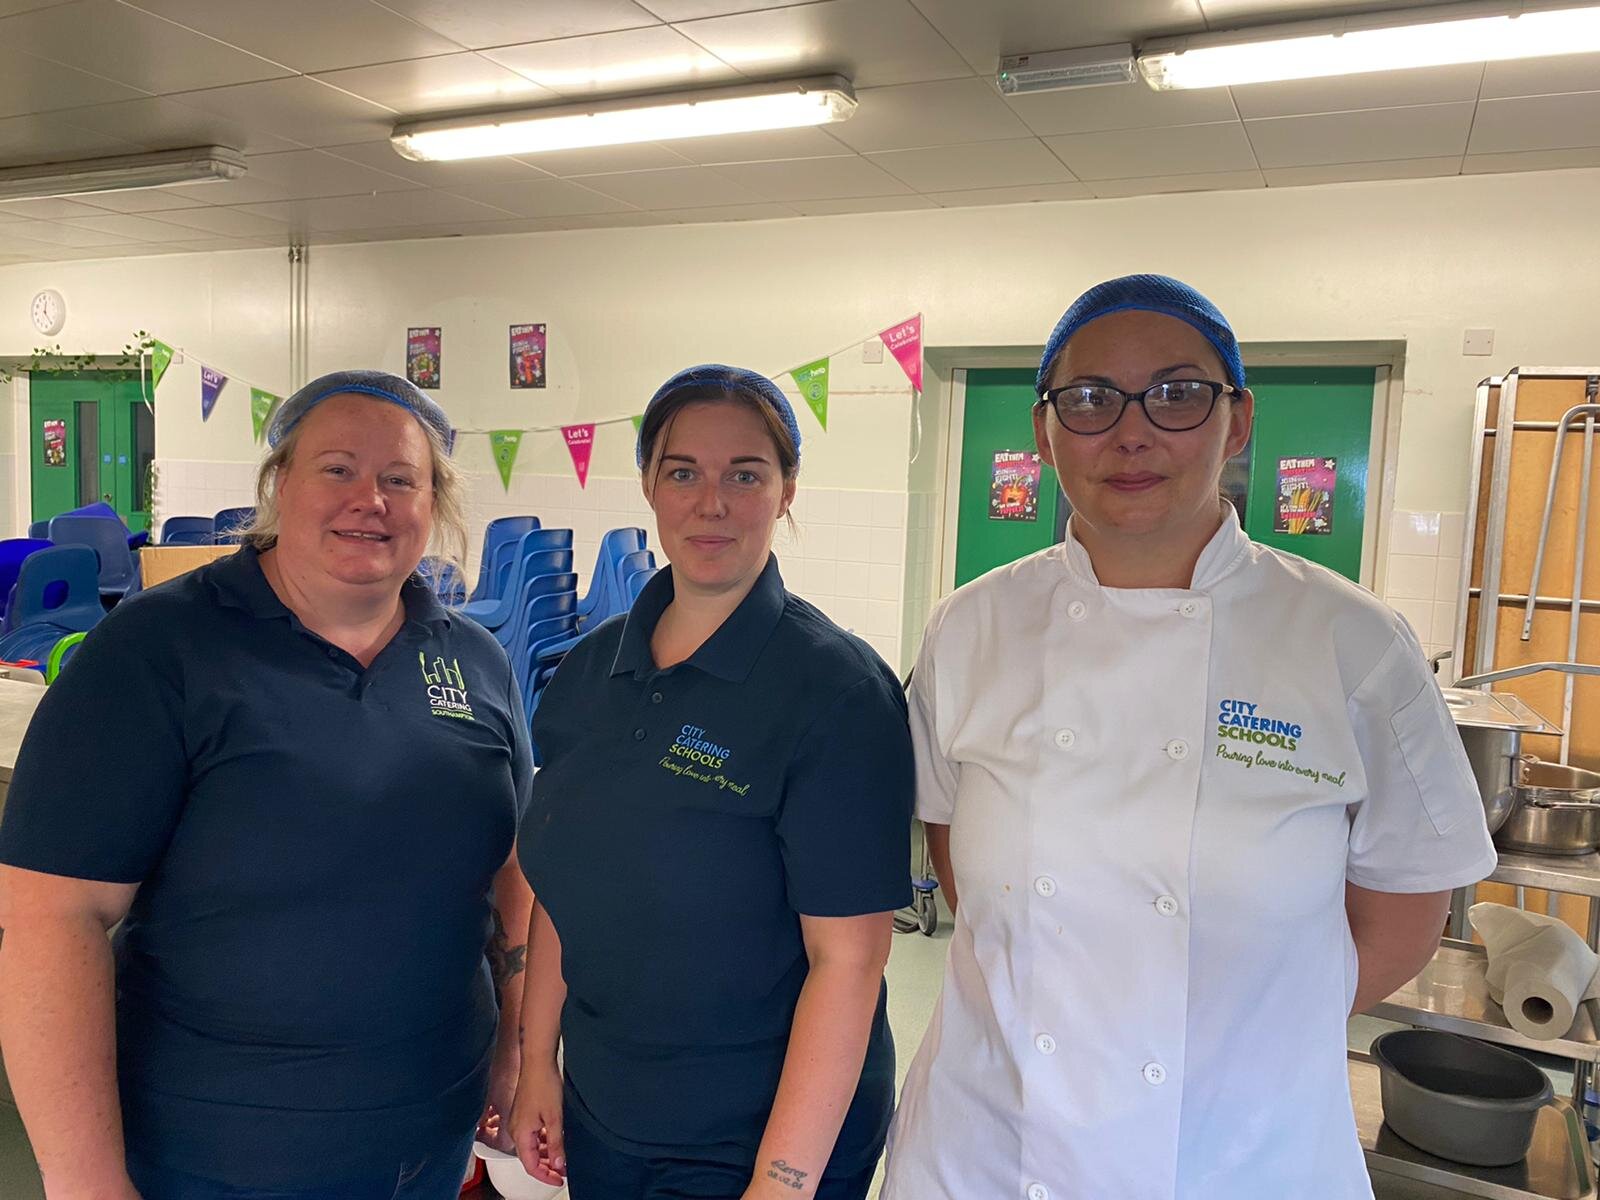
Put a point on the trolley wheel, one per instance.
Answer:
(927, 913)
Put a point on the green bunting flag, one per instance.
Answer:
(505, 443)
(637, 423)
(261, 406)
(160, 360)
(812, 380)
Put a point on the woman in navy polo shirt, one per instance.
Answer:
(718, 840)
(294, 778)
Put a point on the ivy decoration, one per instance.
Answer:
(54, 358)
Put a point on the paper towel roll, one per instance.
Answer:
(1539, 969)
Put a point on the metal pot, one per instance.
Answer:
(1557, 810)
(1491, 725)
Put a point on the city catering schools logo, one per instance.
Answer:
(695, 756)
(447, 688)
(1251, 738)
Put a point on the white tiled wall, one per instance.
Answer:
(1424, 568)
(10, 518)
(847, 554)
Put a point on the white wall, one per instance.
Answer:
(1410, 261)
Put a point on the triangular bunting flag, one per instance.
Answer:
(450, 442)
(638, 424)
(905, 343)
(580, 444)
(211, 384)
(160, 360)
(812, 380)
(505, 443)
(261, 406)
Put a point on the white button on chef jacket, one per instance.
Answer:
(1202, 1055)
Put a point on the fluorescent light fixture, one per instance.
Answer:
(161, 168)
(741, 109)
(1426, 37)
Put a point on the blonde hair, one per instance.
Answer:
(448, 538)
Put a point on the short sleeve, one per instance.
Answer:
(936, 775)
(845, 824)
(1421, 826)
(102, 774)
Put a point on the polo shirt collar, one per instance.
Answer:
(238, 582)
(730, 653)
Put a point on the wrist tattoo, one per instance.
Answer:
(506, 962)
(790, 1177)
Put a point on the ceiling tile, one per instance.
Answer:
(628, 61)
(1209, 181)
(1531, 160)
(873, 43)
(1426, 131)
(421, 86)
(69, 235)
(9, 7)
(49, 138)
(50, 208)
(1540, 76)
(929, 114)
(861, 204)
(542, 198)
(814, 178)
(228, 222)
(606, 160)
(735, 212)
(132, 47)
(1223, 14)
(141, 229)
(32, 85)
(759, 147)
(1129, 154)
(1536, 123)
(985, 32)
(1410, 168)
(676, 187)
(1351, 93)
(304, 175)
(507, 22)
(616, 220)
(975, 165)
(422, 207)
(161, 124)
(144, 200)
(7, 217)
(692, 10)
(1031, 194)
(381, 156)
(213, 244)
(1119, 106)
(300, 109)
(308, 35)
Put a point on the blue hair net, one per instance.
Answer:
(728, 379)
(367, 383)
(1146, 293)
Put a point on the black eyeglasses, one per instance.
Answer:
(1175, 405)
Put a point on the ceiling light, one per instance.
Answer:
(162, 168)
(1095, 66)
(1429, 37)
(742, 109)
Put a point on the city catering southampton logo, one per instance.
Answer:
(693, 755)
(447, 688)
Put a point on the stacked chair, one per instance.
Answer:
(57, 594)
(499, 540)
(187, 531)
(13, 552)
(226, 525)
(118, 568)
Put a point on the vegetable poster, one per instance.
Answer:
(1305, 495)
(1014, 486)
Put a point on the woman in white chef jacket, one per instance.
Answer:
(1194, 801)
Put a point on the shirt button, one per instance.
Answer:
(656, 698)
(1038, 1191)
(1065, 738)
(638, 735)
(1045, 886)
(1190, 608)
(1077, 610)
(1167, 906)
(1177, 749)
(1155, 1074)
(1044, 1044)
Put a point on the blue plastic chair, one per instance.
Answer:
(493, 613)
(39, 531)
(502, 531)
(119, 569)
(31, 643)
(101, 509)
(12, 553)
(228, 522)
(534, 566)
(604, 584)
(635, 583)
(187, 531)
(545, 597)
(506, 555)
(59, 587)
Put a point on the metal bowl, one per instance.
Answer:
(1557, 810)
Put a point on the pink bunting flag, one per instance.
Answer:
(905, 343)
(580, 444)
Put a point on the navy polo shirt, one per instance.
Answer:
(302, 993)
(682, 821)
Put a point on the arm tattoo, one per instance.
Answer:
(790, 1177)
(506, 962)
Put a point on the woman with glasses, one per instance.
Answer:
(1193, 800)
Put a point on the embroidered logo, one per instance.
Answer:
(1243, 721)
(693, 755)
(447, 688)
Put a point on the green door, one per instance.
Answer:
(1308, 462)
(1000, 475)
(93, 439)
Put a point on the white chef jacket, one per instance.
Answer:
(1155, 799)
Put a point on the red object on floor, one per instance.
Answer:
(475, 1176)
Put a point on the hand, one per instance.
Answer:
(494, 1127)
(536, 1124)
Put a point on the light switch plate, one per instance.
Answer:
(1478, 342)
(872, 350)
